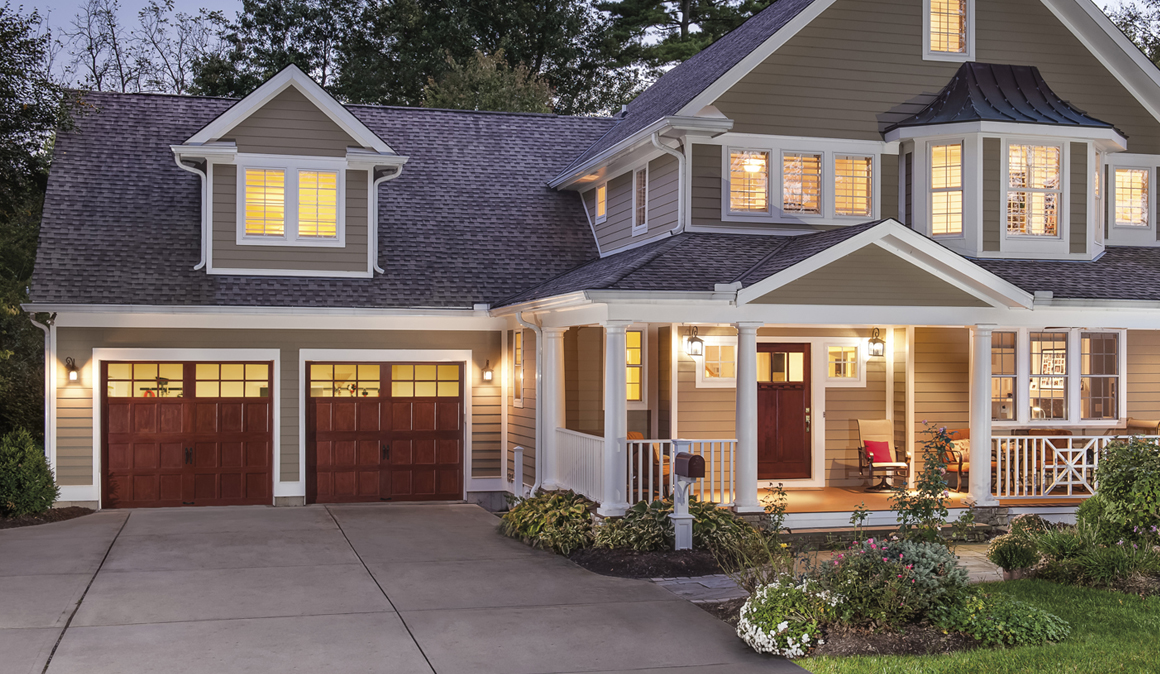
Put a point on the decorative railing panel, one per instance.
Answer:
(1025, 466)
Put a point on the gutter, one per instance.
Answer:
(204, 213)
(49, 402)
(374, 211)
(681, 190)
(539, 397)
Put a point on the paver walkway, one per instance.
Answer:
(389, 588)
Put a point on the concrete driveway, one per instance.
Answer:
(390, 588)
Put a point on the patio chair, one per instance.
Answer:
(1142, 427)
(876, 452)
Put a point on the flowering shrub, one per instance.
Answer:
(1029, 524)
(1129, 483)
(1012, 551)
(785, 618)
(923, 513)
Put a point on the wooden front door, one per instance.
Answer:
(187, 434)
(784, 445)
(385, 432)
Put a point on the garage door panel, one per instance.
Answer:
(368, 484)
(324, 454)
(323, 411)
(368, 453)
(145, 418)
(423, 481)
(257, 417)
(146, 456)
(172, 455)
(423, 416)
(231, 455)
(401, 484)
(171, 417)
(258, 454)
(231, 417)
(345, 416)
(368, 415)
(425, 451)
(345, 483)
(447, 416)
(145, 488)
(205, 486)
(257, 486)
(169, 487)
(447, 480)
(402, 452)
(401, 416)
(344, 453)
(205, 455)
(447, 451)
(205, 418)
(119, 418)
(231, 486)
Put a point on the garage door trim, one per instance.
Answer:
(462, 357)
(100, 355)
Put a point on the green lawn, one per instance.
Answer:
(1110, 632)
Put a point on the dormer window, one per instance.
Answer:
(290, 201)
(265, 202)
(949, 33)
(1034, 189)
(317, 204)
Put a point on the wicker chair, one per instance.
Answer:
(879, 430)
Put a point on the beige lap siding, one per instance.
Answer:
(522, 420)
(616, 230)
(942, 382)
(290, 124)
(1143, 387)
(75, 452)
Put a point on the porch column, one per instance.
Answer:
(553, 407)
(980, 456)
(615, 420)
(745, 497)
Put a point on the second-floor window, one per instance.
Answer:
(289, 206)
(852, 185)
(602, 203)
(317, 204)
(1131, 197)
(640, 202)
(948, 26)
(946, 189)
(801, 183)
(1034, 190)
(748, 181)
(265, 202)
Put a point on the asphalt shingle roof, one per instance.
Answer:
(676, 88)
(1121, 273)
(470, 219)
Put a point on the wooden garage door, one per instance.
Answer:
(384, 432)
(187, 434)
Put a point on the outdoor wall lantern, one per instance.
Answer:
(694, 346)
(71, 366)
(488, 373)
(876, 348)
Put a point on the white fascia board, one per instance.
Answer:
(700, 126)
(1111, 48)
(1107, 139)
(938, 260)
(755, 57)
(221, 151)
(554, 303)
(291, 76)
(358, 158)
(298, 273)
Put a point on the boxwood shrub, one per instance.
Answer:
(27, 486)
(1012, 551)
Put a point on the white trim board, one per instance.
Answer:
(460, 356)
(101, 354)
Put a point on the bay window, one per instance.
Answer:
(1048, 391)
(1034, 190)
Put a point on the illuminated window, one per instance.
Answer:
(1048, 375)
(144, 380)
(634, 352)
(1131, 197)
(720, 361)
(801, 183)
(424, 381)
(1099, 361)
(852, 185)
(1100, 191)
(842, 362)
(748, 181)
(318, 204)
(640, 202)
(343, 380)
(602, 203)
(265, 202)
(948, 26)
(946, 189)
(1003, 373)
(518, 367)
(1033, 190)
(776, 367)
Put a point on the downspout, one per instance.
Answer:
(656, 141)
(48, 397)
(539, 398)
(374, 211)
(204, 213)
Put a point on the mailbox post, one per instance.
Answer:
(687, 467)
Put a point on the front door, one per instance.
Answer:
(784, 446)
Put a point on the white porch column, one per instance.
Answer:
(980, 457)
(615, 420)
(552, 406)
(746, 462)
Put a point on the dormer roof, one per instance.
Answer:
(990, 92)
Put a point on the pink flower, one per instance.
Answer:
(900, 555)
(912, 580)
(884, 559)
(900, 575)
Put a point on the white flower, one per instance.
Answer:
(782, 626)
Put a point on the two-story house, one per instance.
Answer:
(842, 217)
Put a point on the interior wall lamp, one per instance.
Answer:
(694, 346)
(488, 373)
(876, 348)
(71, 366)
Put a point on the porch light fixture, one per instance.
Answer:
(488, 373)
(694, 346)
(876, 348)
(71, 366)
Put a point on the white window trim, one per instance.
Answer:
(292, 166)
(930, 189)
(699, 362)
(1130, 234)
(639, 228)
(863, 361)
(641, 404)
(929, 55)
(1019, 243)
(874, 197)
(518, 367)
(596, 216)
(726, 196)
(1023, 381)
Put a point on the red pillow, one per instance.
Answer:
(879, 451)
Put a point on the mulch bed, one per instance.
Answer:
(50, 515)
(842, 641)
(636, 564)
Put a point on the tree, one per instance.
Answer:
(488, 83)
(1140, 21)
(105, 55)
(172, 43)
(655, 33)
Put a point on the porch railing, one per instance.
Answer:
(581, 462)
(651, 475)
(1047, 467)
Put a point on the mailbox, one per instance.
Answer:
(689, 465)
